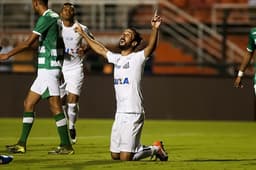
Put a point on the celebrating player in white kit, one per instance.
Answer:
(128, 69)
(72, 66)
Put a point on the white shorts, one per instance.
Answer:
(46, 83)
(126, 132)
(73, 81)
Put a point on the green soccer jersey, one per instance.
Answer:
(252, 46)
(48, 29)
(252, 40)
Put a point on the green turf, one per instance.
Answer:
(192, 145)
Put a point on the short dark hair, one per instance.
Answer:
(137, 36)
(45, 2)
(68, 4)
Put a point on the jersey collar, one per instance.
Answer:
(46, 11)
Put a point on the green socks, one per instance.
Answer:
(28, 119)
(61, 123)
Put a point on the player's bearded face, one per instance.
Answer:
(126, 39)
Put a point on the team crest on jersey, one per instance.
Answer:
(121, 81)
(126, 66)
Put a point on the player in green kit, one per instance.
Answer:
(46, 84)
(247, 58)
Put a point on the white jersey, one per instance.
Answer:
(72, 41)
(127, 77)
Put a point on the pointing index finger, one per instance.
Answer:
(156, 12)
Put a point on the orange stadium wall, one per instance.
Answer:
(165, 97)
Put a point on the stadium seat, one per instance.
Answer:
(239, 40)
(180, 3)
(177, 59)
(24, 62)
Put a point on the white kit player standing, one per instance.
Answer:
(128, 69)
(72, 70)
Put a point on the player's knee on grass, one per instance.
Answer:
(126, 156)
(115, 156)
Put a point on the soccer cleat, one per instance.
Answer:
(72, 133)
(4, 159)
(62, 150)
(16, 148)
(161, 153)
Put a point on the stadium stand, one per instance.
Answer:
(24, 62)
(173, 56)
(201, 9)
(181, 63)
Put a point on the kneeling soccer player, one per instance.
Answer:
(128, 69)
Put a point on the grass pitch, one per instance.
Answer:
(192, 145)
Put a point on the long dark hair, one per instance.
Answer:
(137, 36)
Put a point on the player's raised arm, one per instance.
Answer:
(20, 47)
(155, 23)
(95, 45)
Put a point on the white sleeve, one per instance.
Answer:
(112, 57)
(141, 56)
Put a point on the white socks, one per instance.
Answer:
(72, 111)
(145, 151)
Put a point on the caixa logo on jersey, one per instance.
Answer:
(121, 81)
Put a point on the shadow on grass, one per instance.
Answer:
(30, 160)
(218, 160)
(82, 164)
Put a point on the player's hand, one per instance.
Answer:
(3, 57)
(156, 20)
(81, 51)
(238, 83)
